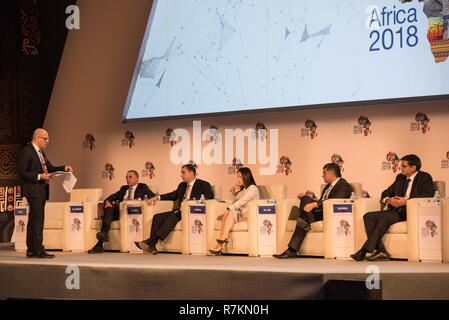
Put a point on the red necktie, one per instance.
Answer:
(41, 158)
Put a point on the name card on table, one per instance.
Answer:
(77, 209)
(20, 211)
(198, 209)
(271, 209)
(134, 210)
(342, 208)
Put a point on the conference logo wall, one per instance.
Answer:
(363, 126)
(392, 162)
(261, 131)
(129, 140)
(236, 165)
(89, 142)
(445, 162)
(421, 123)
(170, 137)
(149, 170)
(309, 130)
(285, 165)
(338, 159)
(213, 134)
(9, 199)
(108, 172)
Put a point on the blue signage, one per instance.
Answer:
(342, 208)
(134, 210)
(20, 211)
(267, 209)
(198, 209)
(76, 209)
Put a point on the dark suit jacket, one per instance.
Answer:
(29, 167)
(422, 188)
(341, 190)
(141, 191)
(199, 187)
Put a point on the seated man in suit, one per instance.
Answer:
(411, 183)
(163, 223)
(311, 210)
(132, 190)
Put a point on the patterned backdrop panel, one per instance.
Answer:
(8, 161)
(9, 198)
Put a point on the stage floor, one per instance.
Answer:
(169, 276)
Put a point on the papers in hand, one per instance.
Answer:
(69, 180)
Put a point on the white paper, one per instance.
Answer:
(69, 181)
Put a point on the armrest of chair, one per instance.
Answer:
(253, 217)
(361, 207)
(413, 226)
(284, 208)
(445, 228)
(328, 224)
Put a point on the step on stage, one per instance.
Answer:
(174, 276)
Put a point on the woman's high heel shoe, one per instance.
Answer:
(216, 252)
(219, 241)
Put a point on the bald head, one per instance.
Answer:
(41, 138)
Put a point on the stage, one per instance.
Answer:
(176, 277)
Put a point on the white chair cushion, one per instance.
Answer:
(239, 226)
(316, 226)
(178, 226)
(53, 224)
(398, 228)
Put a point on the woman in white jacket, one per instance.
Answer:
(242, 193)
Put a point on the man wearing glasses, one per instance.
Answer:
(35, 170)
(410, 183)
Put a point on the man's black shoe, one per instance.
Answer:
(44, 255)
(379, 256)
(30, 254)
(96, 249)
(147, 247)
(102, 236)
(287, 254)
(359, 255)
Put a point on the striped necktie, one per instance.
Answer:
(42, 159)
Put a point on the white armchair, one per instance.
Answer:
(402, 238)
(56, 226)
(243, 237)
(320, 240)
(445, 228)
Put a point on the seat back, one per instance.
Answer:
(278, 192)
(153, 188)
(218, 191)
(440, 186)
(86, 195)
